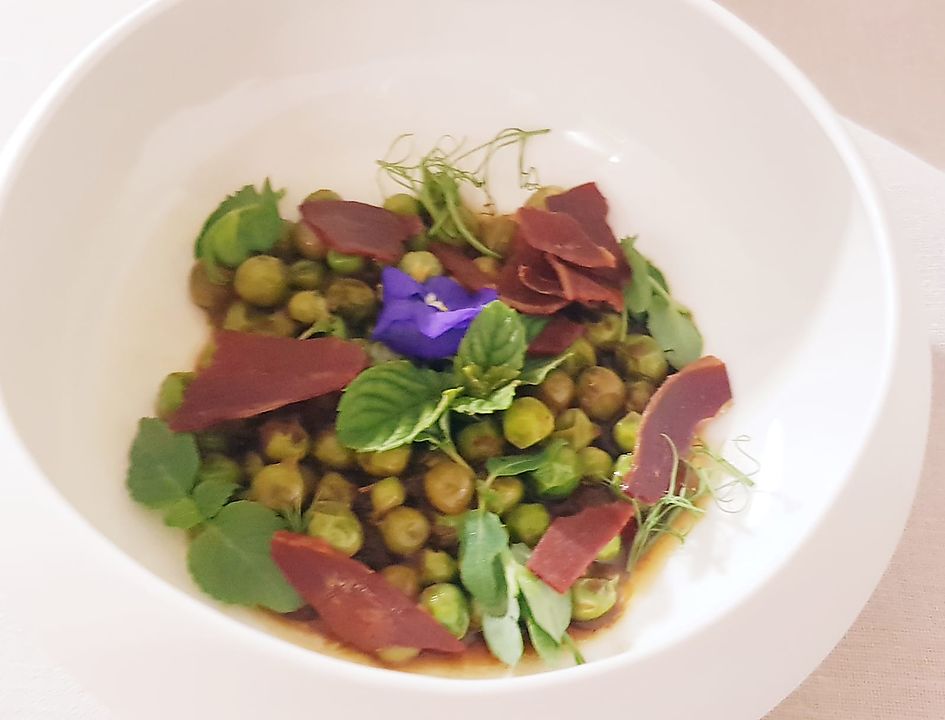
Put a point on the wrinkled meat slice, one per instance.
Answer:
(561, 235)
(571, 543)
(694, 394)
(250, 374)
(356, 228)
(357, 604)
(578, 285)
(461, 267)
(513, 293)
(556, 337)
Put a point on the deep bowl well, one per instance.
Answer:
(731, 170)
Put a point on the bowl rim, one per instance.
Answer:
(30, 128)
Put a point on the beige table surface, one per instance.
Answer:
(882, 63)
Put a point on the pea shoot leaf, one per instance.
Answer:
(550, 609)
(482, 541)
(673, 328)
(536, 370)
(507, 465)
(502, 633)
(246, 221)
(548, 650)
(163, 466)
(492, 351)
(183, 514)
(389, 405)
(211, 495)
(230, 559)
(638, 292)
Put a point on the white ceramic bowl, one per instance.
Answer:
(734, 173)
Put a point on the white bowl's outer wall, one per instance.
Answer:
(708, 144)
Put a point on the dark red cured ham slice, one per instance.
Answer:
(588, 207)
(356, 228)
(250, 374)
(461, 267)
(556, 337)
(571, 543)
(694, 394)
(539, 277)
(578, 285)
(513, 293)
(357, 604)
(561, 235)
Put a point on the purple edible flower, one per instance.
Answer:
(426, 320)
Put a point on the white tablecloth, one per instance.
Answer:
(890, 666)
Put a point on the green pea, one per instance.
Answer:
(353, 299)
(557, 478)
(592, 597)
(387, 494)
(528, 522)
(335, 487)
(611, 551)
(497, 232)
(397, 654)
(277, 324)
(448, 606)
(626, 429)
(526, 422)
(402, 204)
(306, 274)
(322, 194)
(283, 440)
(622, 465)
(404, 578)
(480, 441)
(262, 280)
(405, 530)
(600, 392)
(279, 486)
(419, 242)
(241, 317)
(436, 566)
(344, 264)
(490, 266)
(386, 462)
(328, 450)
(641, 356)
(445, 530)
(581, 355)
(307, 242)
(595, 463)
(449, 487)
(252, 464)
(213, 441)
(504, 494)
(220, 468)
(207, 294)
(337, 525)
(537, 198)
(639, 393)
(421, 265)
(557, 391)
(307, 307)
(575, 428)
(171, 393)
(604, 333)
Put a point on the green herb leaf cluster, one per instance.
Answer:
(245, 222)
(396, 403)
(436, 179)
(669, 322)
(229, 558)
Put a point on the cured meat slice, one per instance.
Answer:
(561, 235)
(556, 337)
(356, 228)
(461, 267)
(578, 285)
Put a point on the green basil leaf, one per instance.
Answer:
(230, 559)
(639, 291)
(495, 338)
(183, 514)
(502, 633)
(534, 324)
(389, 405)
(546, 647)
(536, 370)
(658, 277)
(482, 541)
(550, 609)
(163, 466)
(481, 382)
(674, 330)
(211, 495)
(498, 400)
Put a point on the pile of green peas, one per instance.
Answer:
(399, 511)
